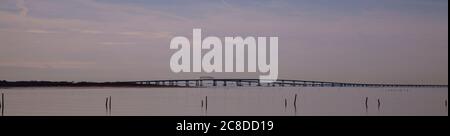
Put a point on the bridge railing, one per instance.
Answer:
(257, 82)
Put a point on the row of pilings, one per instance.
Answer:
(204, 104)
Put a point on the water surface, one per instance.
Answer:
(231, 101)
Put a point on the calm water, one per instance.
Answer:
(253, 101)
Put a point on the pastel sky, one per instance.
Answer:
(376, 41)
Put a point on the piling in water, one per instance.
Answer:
(295, 100)
(206, 103)
(295, 104)
(367, 106)
(201, 105)
(446, 103)
(106, 105)
(3, 104)
(110, 105)
(379, 104)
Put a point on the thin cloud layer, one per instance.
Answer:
(21, 6)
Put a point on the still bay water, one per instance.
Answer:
(230, 101)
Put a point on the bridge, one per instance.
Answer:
(261, 83)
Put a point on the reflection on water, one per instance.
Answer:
(246, 101)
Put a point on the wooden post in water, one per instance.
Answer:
(206, 104)
(110, 105)
(367, 106)
(285, 104)
(3, 104)
(106, 106)
(202, 105)
(379, 104)
(446, 103)
(295, 104)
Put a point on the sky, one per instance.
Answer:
(366, 41)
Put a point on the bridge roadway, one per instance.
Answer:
(257, 82)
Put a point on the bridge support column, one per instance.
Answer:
(238, 83)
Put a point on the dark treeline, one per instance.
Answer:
(4, 83)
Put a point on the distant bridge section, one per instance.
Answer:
(210, 82)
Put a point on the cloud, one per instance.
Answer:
(117, 43)
(226, 4)
(39, 31)
(152, 35)
(91, 32)
(21, 6)
(106, 19)
(62, 64)
(131, 33)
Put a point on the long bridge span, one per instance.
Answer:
(261, 83)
